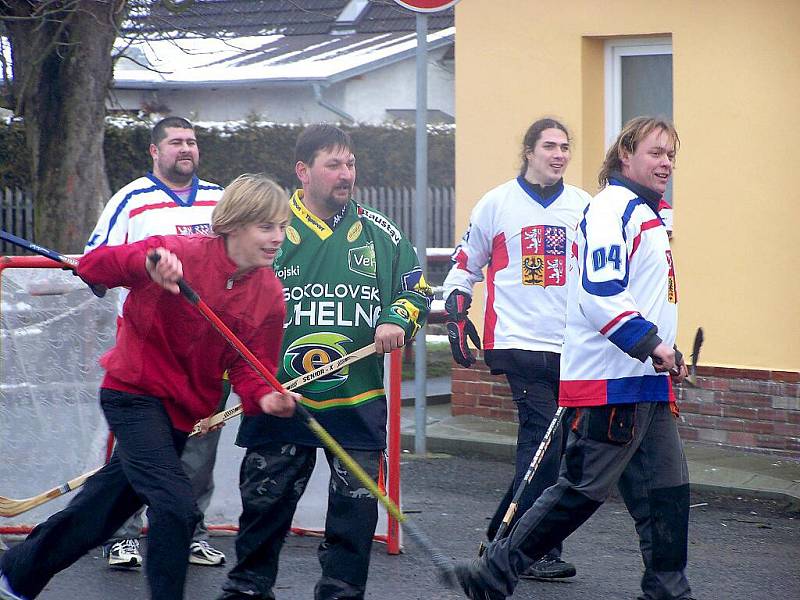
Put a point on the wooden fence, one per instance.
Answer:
(16, 216)
(16, 213)
(398, 205)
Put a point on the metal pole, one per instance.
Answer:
(421, 229)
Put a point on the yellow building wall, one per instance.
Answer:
(736, 103)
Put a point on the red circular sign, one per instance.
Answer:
(426, 5)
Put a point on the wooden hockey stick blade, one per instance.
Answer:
(331, 367)
(10, 507)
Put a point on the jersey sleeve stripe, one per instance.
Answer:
(645, 226)
(499, 262)
(141, 209)
(613, 322)
(461, 259)
(118, 212)
(630, 333)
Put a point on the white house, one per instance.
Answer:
(300, 62)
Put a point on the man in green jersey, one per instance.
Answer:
(350, 277)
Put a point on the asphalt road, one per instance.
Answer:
(740, 548)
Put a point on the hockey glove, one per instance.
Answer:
(459, 328)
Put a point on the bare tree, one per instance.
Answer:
(62, 70)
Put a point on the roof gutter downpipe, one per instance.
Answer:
(331, 107)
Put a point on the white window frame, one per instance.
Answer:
(615, 49)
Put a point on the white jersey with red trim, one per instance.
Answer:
(147, 207)
(624, 285)
(523, 240)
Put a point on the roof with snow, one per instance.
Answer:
(236, 18)
(269, 42)
(276, 59)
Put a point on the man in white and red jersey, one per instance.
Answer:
(617, 370)
(169, 201)
(521, 231)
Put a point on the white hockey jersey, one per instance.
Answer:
(147, 207)
(525, 241)
(624, 285)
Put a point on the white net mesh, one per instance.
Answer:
(53, 331)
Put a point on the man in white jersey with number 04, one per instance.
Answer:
(521, 231)
(171, 200)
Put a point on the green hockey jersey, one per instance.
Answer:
(339, 285)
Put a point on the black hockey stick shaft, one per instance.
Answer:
(67, 261)
(529, 475)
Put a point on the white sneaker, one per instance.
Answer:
(203, 553)
(125, 555)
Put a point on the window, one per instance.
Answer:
(638, 80)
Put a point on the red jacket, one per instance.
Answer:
(166, 348)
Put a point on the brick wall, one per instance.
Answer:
(475, 391)
(733, 407)
(744, 408)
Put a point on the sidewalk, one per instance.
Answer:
(711, 468)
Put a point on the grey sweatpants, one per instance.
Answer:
(634, 446)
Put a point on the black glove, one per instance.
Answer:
(678, 357)
(459, 327)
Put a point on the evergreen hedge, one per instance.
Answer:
(384, 154)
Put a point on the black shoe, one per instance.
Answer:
(467, 576)
(229, 595)
(549, 567)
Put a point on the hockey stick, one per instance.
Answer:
(698, 343)
(331, 367)
(441, 562)
(537, 459)
(67, 261)
(11, 507)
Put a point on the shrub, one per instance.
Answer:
(385, 154)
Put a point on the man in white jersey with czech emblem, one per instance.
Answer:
(521, 232)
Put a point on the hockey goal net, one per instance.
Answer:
(52, 332)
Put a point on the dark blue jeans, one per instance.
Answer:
(145, 468)
(534, 379)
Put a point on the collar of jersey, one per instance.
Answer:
(309, 219)
(175, 198)
(649, 196)
(535, 191)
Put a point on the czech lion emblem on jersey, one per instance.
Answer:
(313, 351)
(544, 255)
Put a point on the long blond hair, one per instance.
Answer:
(629, 138)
